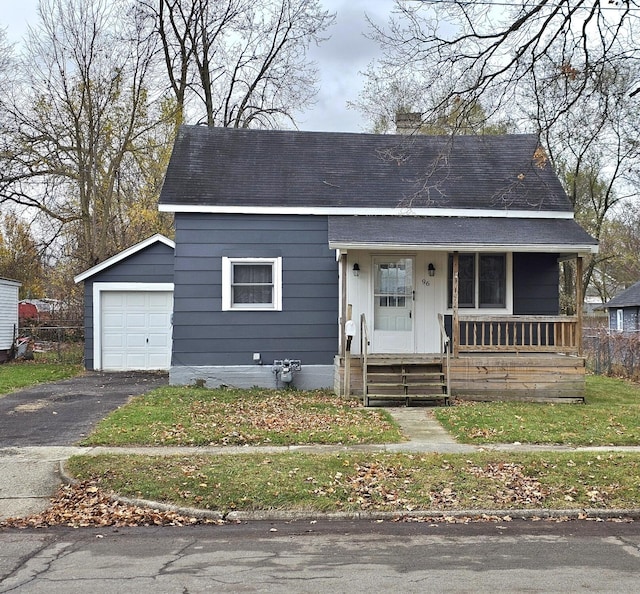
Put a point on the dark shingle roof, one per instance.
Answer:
(256, 168)
(628, 298)
(473, 232)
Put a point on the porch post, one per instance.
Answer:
(579, 305)
(343, 303)
(454, 304)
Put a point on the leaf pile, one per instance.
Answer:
(195, 416)
(246, 421)
(84, 505)
(517, 488)
(382, 486)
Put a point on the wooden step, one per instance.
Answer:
(405, 379)
(407, 399)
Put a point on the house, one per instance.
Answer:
(624, 310)
(128, 305)
(395, 266)
(8, 317)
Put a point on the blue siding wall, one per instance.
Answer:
(151, 265)
(535, 284)
(307, 326)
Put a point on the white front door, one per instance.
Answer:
(393, 301)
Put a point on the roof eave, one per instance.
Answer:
(347, 211)
(580, 249)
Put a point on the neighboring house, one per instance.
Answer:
(128, 304)
(8, 317)
(287, 241)
(624, 310)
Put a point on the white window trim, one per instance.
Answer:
(620, 320)
(98, 291)
(227, 267)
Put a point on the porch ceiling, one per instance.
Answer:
(459, 233)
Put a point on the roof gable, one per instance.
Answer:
(225, 168)
(124, 254)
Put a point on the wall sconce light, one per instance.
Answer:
(356, 269)
(431, 269)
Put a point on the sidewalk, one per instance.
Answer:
(31, 475)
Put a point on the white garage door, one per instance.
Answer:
(136, 330)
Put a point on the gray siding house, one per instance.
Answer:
(286, 242)
(624, 310)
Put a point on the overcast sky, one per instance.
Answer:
(340, 59)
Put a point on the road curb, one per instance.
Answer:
(374, 515)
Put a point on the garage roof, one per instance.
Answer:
(134, 249)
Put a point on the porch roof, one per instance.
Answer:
(459, 233)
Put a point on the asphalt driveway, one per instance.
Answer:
(62, 413)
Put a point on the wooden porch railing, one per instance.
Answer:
(520, 334)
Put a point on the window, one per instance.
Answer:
(492, 280)
(482, 280)
(252, 284)
(620, 320)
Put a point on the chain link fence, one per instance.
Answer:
(612, 353)
(55, 341)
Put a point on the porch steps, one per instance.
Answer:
(405, 380)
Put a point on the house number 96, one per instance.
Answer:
(426, 283)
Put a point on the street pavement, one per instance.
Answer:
(322, 556)
(40, 426)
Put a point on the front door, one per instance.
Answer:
(393, 300)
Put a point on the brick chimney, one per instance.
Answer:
(408, 122)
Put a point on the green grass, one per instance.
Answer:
(190, 416)
(365, 481)
(611, 416)
(16, 375)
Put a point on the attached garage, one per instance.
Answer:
(129, 309)
(135, 329)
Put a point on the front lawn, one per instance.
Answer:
(189, 416)
(356, 481)
(611, 416)
(16, 375)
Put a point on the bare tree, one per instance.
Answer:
(485, 50)
(77, 123)
(239, 63)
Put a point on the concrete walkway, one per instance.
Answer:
(29, 476)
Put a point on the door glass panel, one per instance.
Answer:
(393, 295)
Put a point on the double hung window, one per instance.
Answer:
(252, 284)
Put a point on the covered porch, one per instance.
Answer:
(424, 318)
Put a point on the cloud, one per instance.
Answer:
(340, 60)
